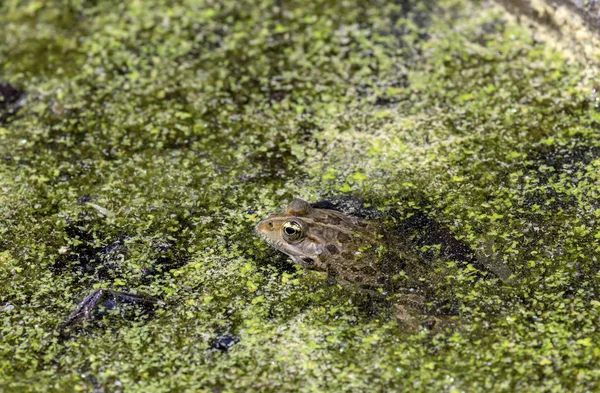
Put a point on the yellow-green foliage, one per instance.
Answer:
(155, 133)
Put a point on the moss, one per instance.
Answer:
(154, 135)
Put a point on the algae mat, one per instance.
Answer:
(141, 141)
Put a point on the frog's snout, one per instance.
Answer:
(264, 227)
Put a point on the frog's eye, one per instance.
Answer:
(292, 231)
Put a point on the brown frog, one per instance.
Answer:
(351, 251)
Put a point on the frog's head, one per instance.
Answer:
(311, 236)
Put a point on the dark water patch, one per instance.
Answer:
(489, 30)
(434, 240)
(548, 199)
(10, 102)
(409, 23)
(557, 169)
(562, 159)
(327, 205)
(85, 198)
(350, 205)
(224, 343)
(273, 162)
(97, 253)
(275, 259)
(9, 95)
(419, 12)
(89, 252)
(94, 382)
(50, 45)
(103, 302)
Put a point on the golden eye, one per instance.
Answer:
(292, 231)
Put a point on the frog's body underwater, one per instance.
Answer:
(324, 240)
(350, 250)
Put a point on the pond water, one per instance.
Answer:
(141, 142)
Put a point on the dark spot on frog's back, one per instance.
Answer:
(332, 249)
(343, 237)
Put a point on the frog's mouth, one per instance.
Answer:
(308, 262)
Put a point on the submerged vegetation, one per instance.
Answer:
(140, 142)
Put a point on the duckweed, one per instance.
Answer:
(148, 137)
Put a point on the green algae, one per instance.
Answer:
(154, 135)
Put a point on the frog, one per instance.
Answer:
(356, 252)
